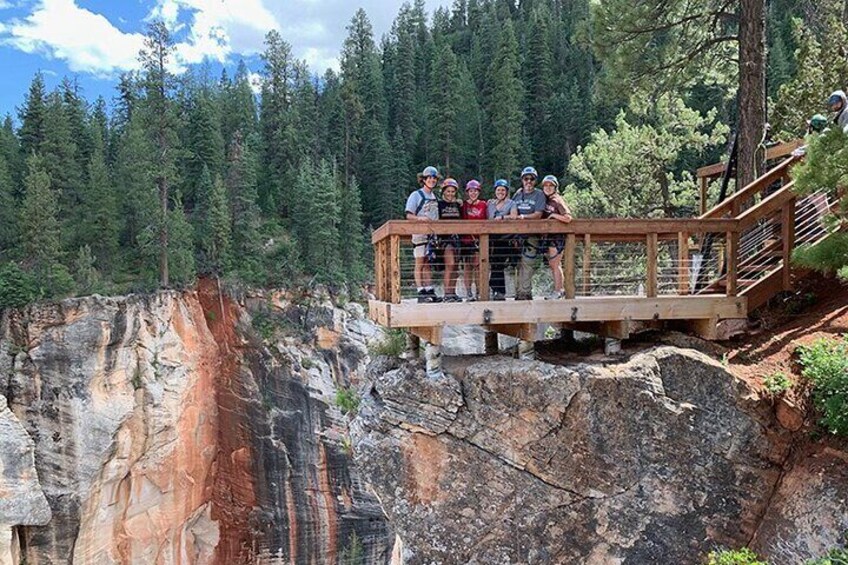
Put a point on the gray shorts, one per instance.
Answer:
(419, 243)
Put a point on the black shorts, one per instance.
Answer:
(468, 249)
(552, 241)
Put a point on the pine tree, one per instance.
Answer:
(213, 225)
(352, 249)
(40, 235)
(445, 107)
(239, 105)
(8, 210)
(316, 220)
(540, 92)
(504, 104)
(205, 147)
(10, 149)
(32, 117)
(181, 245)
(244, 211)
(100, 229)
(160, 123)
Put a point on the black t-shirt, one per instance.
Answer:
(449, 210)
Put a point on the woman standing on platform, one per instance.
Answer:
(553, 244)
(500, 207)
(472, 209)
(450, 209)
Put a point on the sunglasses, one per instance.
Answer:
(527, 178)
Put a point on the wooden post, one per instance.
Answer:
(787, 235)
(703, 195)
(568, 270)
(587, 267)
(394, 269)
(483, 269)
(732, 262)
(378, 271)
(683, 263)
(651, 283)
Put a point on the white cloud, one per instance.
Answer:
(87, 41)
(4, 5)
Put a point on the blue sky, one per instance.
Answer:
(95, 40)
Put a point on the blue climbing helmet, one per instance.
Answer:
(529, 171)
(551, 179)
(818, 123)
(502, 182)
(430, 172)
(837, 96)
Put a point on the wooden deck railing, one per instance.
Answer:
(391, 244)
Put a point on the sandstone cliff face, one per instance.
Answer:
(658, 460)
(164, 431)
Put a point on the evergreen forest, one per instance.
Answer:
(279, 182)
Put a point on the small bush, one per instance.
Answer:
(264, 324)
(393, 343)
(777, 383)
(742, 556)
(833, 557)
(825, 363)
(347, 400)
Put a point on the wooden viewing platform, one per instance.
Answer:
(687, 273)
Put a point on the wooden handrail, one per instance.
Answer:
(775, 152)
(760, 184)
(609, 229)
(767, 207)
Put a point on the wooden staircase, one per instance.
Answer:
(773, 221)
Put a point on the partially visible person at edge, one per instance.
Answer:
(450, 209)
(838, 103)
(422, 205)
(553, 244)
(529, 203)
(816, 125)
(501, 207)
(472, 209)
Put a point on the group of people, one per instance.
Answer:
(462, 251)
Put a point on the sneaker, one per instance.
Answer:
(471, 298)
(498, 296)
(423, 297)
(524, 297)
(555, 295)
(452, 298)
(431, 293)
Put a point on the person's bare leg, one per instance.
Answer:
(470, 273)
(555, 262)
(450, 270)
(419, 272)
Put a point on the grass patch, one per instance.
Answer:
(777, 383)
(825, 363)
(742, 556)
(393, 343)
(347, 400)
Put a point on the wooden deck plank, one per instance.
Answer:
(589, 309)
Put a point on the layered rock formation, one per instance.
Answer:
(166, 431)
(658, 460)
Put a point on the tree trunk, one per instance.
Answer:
(752, 89)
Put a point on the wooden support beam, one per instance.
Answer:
(651, 283)
(732, 263)
(430, 334)
(704, 328)
(526, 332)
(704, 184)
(787, 236)
(484, 269)
(590, 309)
(568, 265)
(378, 271)
(618, 330)
(394, 269)
(683, 263)
(587, 264)
(378, 311)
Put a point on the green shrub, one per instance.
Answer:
(742, 556)
(833, 557)
(17, 288)
(393, 343)
(777, 383)
(347, 400)
(825, 363)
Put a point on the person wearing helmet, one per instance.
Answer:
(552, 245)
(529, 203)
(838, 103)
(422, 205)
(472, 209)
(816, 124)
(501, 207)
(450, 209)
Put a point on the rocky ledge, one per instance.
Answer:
(657, 460)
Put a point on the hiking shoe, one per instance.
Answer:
(555, 295)
(524, 297)
(431, 293)
(452, 298)
(471, 298)
(498, 296)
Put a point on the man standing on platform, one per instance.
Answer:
(530, 203)
(423, 206)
